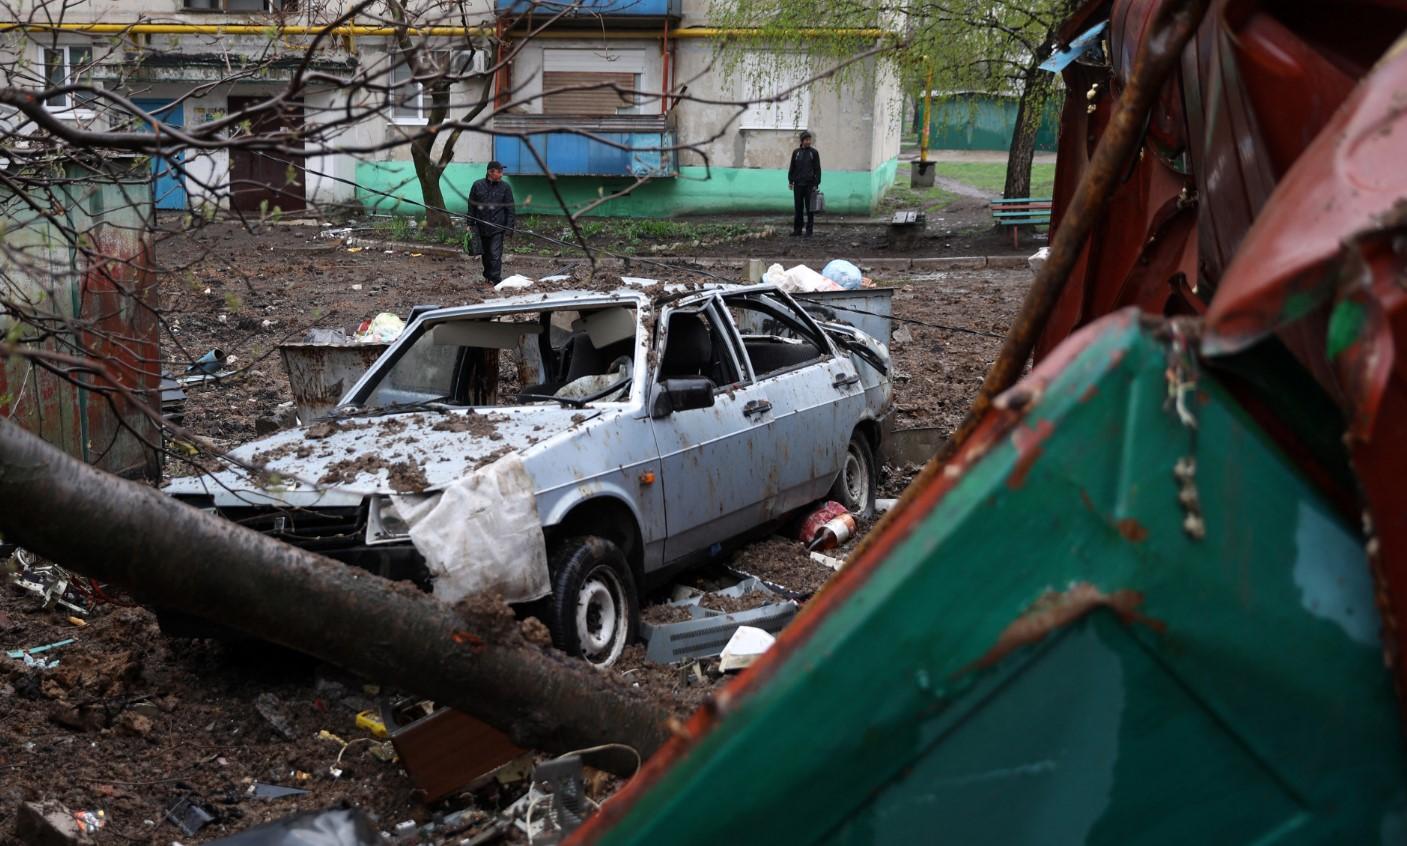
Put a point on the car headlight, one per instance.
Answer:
(383, 524)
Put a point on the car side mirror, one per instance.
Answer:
(682, 395)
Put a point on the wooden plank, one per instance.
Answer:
(448, 749)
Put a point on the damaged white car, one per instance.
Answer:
(572, 450)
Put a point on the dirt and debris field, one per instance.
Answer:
(246, 293)
(131, 721)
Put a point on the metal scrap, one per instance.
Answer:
(49, 581)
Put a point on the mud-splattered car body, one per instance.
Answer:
(726, 408)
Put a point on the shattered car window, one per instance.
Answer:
(775, 336)
(570, 356)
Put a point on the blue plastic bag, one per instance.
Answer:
(842, 273)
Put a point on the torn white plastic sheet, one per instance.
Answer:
(639, 281)
(481, 534)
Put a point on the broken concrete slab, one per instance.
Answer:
(51, 823)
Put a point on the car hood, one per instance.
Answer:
(339, 461)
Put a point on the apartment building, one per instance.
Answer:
(601, 95)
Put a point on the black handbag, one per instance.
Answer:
(472, 245)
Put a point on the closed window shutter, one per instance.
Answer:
(592, 101)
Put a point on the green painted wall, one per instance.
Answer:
(391, 187)
(982, 122)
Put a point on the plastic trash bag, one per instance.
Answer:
(335, 827)
(381, 329)
(803, 280)
(513, 283)
(842, 273)
(775, 275)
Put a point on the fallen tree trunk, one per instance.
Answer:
(472, 656)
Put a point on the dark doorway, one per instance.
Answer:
(259, 180)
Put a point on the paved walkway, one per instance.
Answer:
(910, 154)
(962, 189)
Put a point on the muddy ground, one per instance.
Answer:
(245, 293)
(132, 721)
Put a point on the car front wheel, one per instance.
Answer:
(855, 487)
(593, 611)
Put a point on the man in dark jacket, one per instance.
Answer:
(491, 212)
(804, 177)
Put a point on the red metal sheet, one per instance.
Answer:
(1137, 253)
(105, 292)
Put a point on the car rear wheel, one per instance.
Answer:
(855, 487)
(593, 611)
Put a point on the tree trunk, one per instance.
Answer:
(1035, 93)
(428, 172)
(472, 656)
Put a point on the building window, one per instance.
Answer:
(68, 65)
(407, 95)
(238, 5)
(757, 77)
(583, 70)
(411, 99)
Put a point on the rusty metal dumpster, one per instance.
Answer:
(319, 374)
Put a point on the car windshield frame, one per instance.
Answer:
(365, 387)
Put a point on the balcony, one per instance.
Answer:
(568, 153)
(619, 12)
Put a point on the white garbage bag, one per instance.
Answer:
(1038, 259)
(843, 273)
(775, 275)
(514, 282)
(381, 329)
(803, 280)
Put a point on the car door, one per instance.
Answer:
(815, 394)
(716, 463)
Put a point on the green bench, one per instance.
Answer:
(1021, 211)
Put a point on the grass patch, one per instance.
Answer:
(991, 176)
(412, 230)
(901, 196)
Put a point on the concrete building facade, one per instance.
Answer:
(617, 91)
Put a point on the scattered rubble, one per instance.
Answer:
(130, 723)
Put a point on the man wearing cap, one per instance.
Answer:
(804, 177)
(491, 212)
